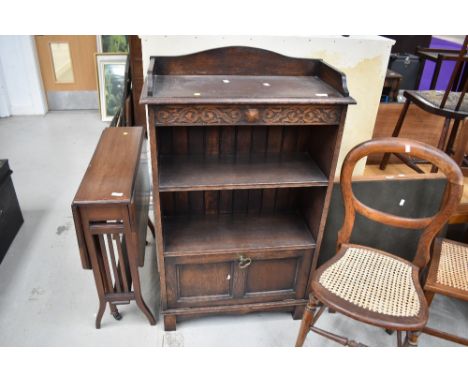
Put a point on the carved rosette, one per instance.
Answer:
(242, 115)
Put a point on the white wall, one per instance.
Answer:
(4, 100)
(363, 59)
(22, 83)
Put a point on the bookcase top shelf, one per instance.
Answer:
(242, 75)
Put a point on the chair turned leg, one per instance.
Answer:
(399, 339)
(396, 133)
(459, 154)
(449, 150)
(307, 320)
(412, 338)
(429, 296)
(442, 140)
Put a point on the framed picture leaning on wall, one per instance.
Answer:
(111, 82)
(112, 43)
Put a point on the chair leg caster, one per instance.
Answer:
(389, 331)
(117, 315)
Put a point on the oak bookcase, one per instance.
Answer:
(244, 144)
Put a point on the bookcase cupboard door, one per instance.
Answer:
(211, 280)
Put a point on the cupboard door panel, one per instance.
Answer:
(272, 275)
(223, 279)
(199, 282)
(204, 280)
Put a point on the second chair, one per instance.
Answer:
(370, 285)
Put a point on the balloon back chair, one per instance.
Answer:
(447, 275)
(370, 285)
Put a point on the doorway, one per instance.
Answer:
(68, 71)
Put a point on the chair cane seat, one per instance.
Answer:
(453, 266)
(433, 98)
(383, 286)
(448, 272)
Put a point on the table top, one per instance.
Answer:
(392, 74)
(110, 175)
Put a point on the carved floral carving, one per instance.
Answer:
(301, 114)
(198, 115)
(220, 115)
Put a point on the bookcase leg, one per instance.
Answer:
(298, 312)
(169, 323)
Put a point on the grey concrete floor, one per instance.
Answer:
(46, 299)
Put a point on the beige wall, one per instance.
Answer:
(363, 59)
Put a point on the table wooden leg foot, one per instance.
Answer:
(117, 315)
(144, 308)
(115, 312)
(151, 227)
(100, 313)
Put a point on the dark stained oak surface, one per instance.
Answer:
(200, 172)
(186, 235)
(213, 211)
(243, 89)
(111, 172)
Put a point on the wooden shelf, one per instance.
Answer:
(214, 234)
(198, 172)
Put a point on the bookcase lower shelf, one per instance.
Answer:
(235, 233)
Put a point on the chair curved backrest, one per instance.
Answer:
(430, 225)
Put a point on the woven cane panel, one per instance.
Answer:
(453, 266)
(373, 281)
(435, 97)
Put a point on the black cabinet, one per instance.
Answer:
(11, 218)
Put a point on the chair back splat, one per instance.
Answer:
(453, 77)
(430, 225)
